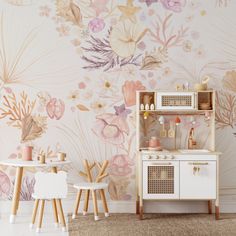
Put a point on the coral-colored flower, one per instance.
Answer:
(82, 85)
(63, 30)
(174, 5)
(96, 25)
(120, 165)
(112, 127)
(55, 108)
(5, 185)
(129, 91)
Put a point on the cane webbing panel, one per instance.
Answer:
(160, 179)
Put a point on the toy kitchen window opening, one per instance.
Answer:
(176, 120)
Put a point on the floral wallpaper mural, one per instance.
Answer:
(69, 70)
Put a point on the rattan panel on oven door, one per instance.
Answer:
(160, 180)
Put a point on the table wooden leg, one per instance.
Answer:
(36, 204)
(77, 202)
(103, 197)
(40, 216)
(86, 202)
(55, 213)
(16, 193)
(95, 205)
(61, 214)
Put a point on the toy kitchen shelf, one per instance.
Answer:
(184, 164)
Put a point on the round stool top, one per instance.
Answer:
(93, 186)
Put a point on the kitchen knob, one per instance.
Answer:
(172, 157)
(157, 157)
(149, 157)
(165, 157)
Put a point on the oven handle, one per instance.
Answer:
(198, 163)
(161, 164)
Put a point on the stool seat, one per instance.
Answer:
(90, 186)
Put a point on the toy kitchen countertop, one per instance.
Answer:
(177, 154)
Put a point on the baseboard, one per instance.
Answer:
(227, 205)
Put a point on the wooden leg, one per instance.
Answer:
(16, 193)
(209, 207)
(55, 213)
(86, 202)
(103, 197)
(77, 202)
(36, 204)
(95, 205)
(137, 206)
(217, 212)
(140, 209)
(40, 216)
(61, 214)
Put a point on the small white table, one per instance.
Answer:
(19, 164)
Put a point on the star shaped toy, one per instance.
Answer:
(128, 11)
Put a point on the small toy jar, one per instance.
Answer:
(147, 99)
(61, 156)
(27, 153)
(154, 142)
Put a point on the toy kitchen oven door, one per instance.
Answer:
(160, 179)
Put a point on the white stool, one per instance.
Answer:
(49, 186)
(93, 187)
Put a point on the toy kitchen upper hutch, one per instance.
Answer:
(176, 147)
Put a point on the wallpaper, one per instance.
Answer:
(69, 70)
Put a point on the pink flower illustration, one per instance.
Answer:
(5, 184)
(112, 127)
(173, 5)
(55, 108)
(96, 25)
(129, 91)
(120, 165)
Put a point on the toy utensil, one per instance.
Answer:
(171, 131)
(161, 120)
(163, 131)
(177, 122)
(192, 120)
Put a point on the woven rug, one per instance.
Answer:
(153, 224)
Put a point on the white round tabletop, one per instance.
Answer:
(20, 163)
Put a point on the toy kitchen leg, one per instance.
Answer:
(141, 208)
(137, 204)
(217, 203)
(210, 207)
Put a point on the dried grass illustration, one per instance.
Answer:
(225, 110)
(164, 35)
(102, 56)
(20, 116)
(69, 11)
(229, 80)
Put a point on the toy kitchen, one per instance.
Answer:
(176, 147)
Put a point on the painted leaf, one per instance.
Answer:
(82, 107)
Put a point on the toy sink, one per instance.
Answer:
(193, 150)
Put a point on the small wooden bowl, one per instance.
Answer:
(200, 87)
